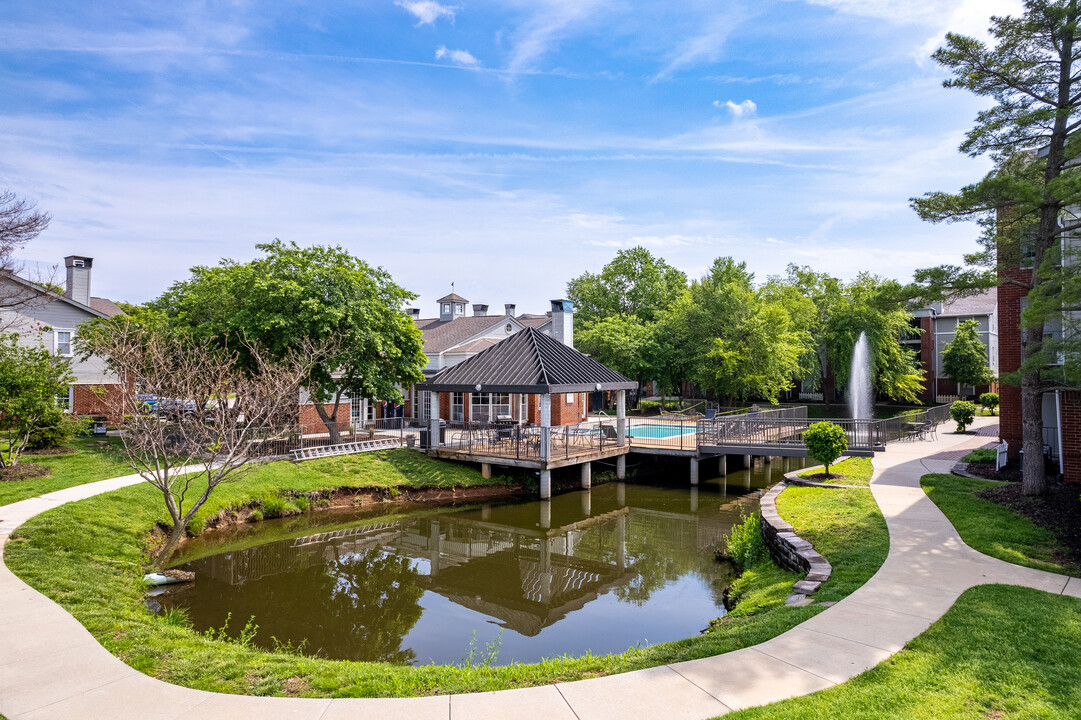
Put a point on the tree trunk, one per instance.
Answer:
(330, 422)
(1033, 473)
(175, 536)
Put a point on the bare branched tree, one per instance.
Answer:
(211, 415)
(20, 222)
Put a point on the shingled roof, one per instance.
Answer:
(528, 362)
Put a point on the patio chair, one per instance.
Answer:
(711, 415)
(609, 432)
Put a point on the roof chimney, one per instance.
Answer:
(77, 287)
(479, 310)
(509, 308)
(563, 321)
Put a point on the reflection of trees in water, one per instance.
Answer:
(369, 601)
(659, 549)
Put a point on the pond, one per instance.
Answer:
(596, 571)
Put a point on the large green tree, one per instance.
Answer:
(618, 311)
(31, 378)
(743, 341)
(964, 359)
(868, 304)
(295, 296)
(1028, 203)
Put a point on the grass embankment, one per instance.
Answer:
(94, 459)
(1000, 652)
(88, 557)
(992, 529)
(850, 471)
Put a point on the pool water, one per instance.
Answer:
(660, 432)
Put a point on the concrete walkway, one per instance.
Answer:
(51, 667)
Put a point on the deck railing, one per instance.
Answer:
(526, 442)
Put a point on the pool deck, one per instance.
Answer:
(52, 668)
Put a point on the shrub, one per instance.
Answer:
(825, 442)
(988, 455)
(989, 401)
(273, 506)
(744, 545)
(55, 428)
(963, 413)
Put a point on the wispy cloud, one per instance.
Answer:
(461, 57)
(551, 22)
(776, 79)
(427, 11)
(706, 46)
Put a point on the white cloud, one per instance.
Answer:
(551, 22)
(427, 11)
(745, 109)
(461, 57)
(706, 46)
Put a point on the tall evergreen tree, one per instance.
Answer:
(1029, 203)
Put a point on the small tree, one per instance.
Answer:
(963, 413)
(989, 401)
(31, 378)
(20, 222)
(219, 412)
(964, 359)
(825, 442)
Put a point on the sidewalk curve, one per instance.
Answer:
(53, 668)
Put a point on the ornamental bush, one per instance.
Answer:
(963, 413)
(989, 401)
(53, 429)
(744, 545)
(825, 442)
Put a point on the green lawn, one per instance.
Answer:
(850, 471)
(88, 556)
(993, 529)
(1000, 652)
(95, 459)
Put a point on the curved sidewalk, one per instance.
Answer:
(52, 668)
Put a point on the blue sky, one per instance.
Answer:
(504, 146)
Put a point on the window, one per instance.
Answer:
(457, 407)
(65, 400)
(486, 407)
(509, 328)
(570, 398)
(425, 404)
(446, 308)
(63, 342)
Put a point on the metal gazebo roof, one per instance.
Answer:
(528, 362)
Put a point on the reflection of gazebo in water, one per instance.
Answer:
(534, 580)
(532, 363)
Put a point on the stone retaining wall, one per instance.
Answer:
(789, 550)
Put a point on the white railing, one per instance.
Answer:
(1000, 457)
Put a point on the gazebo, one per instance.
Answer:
(533, 364)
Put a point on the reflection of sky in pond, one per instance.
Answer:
(593, 571)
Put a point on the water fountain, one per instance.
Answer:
(860, 399)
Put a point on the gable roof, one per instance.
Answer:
(982, 304)
(529, 362)
(55, 296)
(440, 335)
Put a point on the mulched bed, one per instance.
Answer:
(824, 478)
(23, 472)
(1059, 511)
(51, 451)
(1010, 473)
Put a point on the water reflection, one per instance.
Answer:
(596, 570)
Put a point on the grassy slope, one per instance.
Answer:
(993, 529)
(92, 462)
(87, 556)
(1000, 652)
(851, 471)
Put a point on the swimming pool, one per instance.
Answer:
(660, 431)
